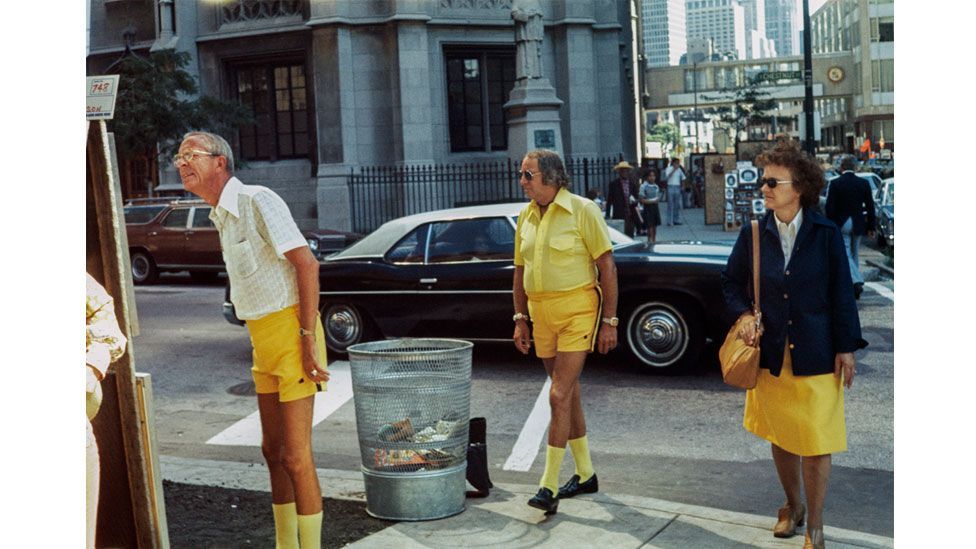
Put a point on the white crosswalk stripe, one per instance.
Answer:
(884, 291)
(247, 431)
(527, 446)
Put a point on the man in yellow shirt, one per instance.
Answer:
(566, 283)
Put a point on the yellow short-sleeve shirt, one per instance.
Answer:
(558, 251)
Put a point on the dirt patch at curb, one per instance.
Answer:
(212, 517)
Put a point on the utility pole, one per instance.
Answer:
(694, 80)
(809, 143)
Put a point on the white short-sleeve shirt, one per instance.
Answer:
(256, 229)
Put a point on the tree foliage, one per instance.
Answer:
(667, 134)
(155, 105)
(751, 106)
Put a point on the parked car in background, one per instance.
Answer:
(177, 235)
(886, 214)
(449, 273)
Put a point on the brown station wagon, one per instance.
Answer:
(177, 235)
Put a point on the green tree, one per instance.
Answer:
(751, 106)
(667, 134)
(155, 108)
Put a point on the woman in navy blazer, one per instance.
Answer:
(810, 332)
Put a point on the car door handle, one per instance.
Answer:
(154, 233)
(428, 281)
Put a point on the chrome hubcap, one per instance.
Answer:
(140, 267)
(342, 325)
(658, 335)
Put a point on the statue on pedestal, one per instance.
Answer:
(529, 31)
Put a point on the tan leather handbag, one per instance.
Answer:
(740, 362)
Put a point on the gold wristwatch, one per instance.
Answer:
(612, 321)
(303, 332)
(520, 316)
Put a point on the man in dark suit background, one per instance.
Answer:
(622, 197)
(851, 206)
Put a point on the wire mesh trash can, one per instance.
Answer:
(413, 400)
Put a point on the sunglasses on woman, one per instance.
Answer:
(772, 182)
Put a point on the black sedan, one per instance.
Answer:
(449, 274)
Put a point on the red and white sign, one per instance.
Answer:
(100, 103)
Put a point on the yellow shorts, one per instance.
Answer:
(565, 321)
(278, 355)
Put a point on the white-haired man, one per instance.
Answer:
(275, 288)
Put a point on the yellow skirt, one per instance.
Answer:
(803, 415)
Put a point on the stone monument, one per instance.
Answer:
(533, 107)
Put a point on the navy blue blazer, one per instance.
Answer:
(849, 197)
(811, 302)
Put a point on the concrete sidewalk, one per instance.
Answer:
(504, 520)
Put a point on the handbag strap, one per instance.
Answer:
(755, 269)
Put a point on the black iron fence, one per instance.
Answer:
(381, 193)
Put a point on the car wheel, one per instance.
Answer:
(663, 337)
(203, 277)
(344, 326)
(144, 270)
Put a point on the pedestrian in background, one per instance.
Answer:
(675, 176)
(596, 195)
(274, 286)
(104, 344)
(562, 245)
(851, 206)
(811, 330)
(622, 198)
(650, 196)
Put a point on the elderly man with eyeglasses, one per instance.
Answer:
(275, 288)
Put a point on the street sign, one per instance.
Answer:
(100, 103)
(779, 75)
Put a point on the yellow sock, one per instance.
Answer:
(581, 455)
(286, 525)
(554, 459)
(310, 530)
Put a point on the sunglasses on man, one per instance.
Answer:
(772, 182)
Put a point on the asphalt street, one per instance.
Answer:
(671, 437)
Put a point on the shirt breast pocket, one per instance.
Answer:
(561, 249)
(242, 261)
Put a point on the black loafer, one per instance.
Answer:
(574, 486)
(545, 500)
(858, 290)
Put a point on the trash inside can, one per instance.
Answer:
(412, 401)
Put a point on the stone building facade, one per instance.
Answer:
(343, 84)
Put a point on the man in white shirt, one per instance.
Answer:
(274, 287)
(675, 176)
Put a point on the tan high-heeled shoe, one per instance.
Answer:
(814, 539)
(789, 519)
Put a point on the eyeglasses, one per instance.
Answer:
(527, 174)
(772, 182)
(190, 155)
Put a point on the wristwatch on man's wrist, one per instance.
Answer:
(303, 332)
(612, 321)
(520, 316)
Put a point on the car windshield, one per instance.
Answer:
(141, 214)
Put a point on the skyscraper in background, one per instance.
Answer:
(783, 23)
(664, 31)
(722, 21)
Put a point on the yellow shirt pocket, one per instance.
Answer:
(562, 250)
